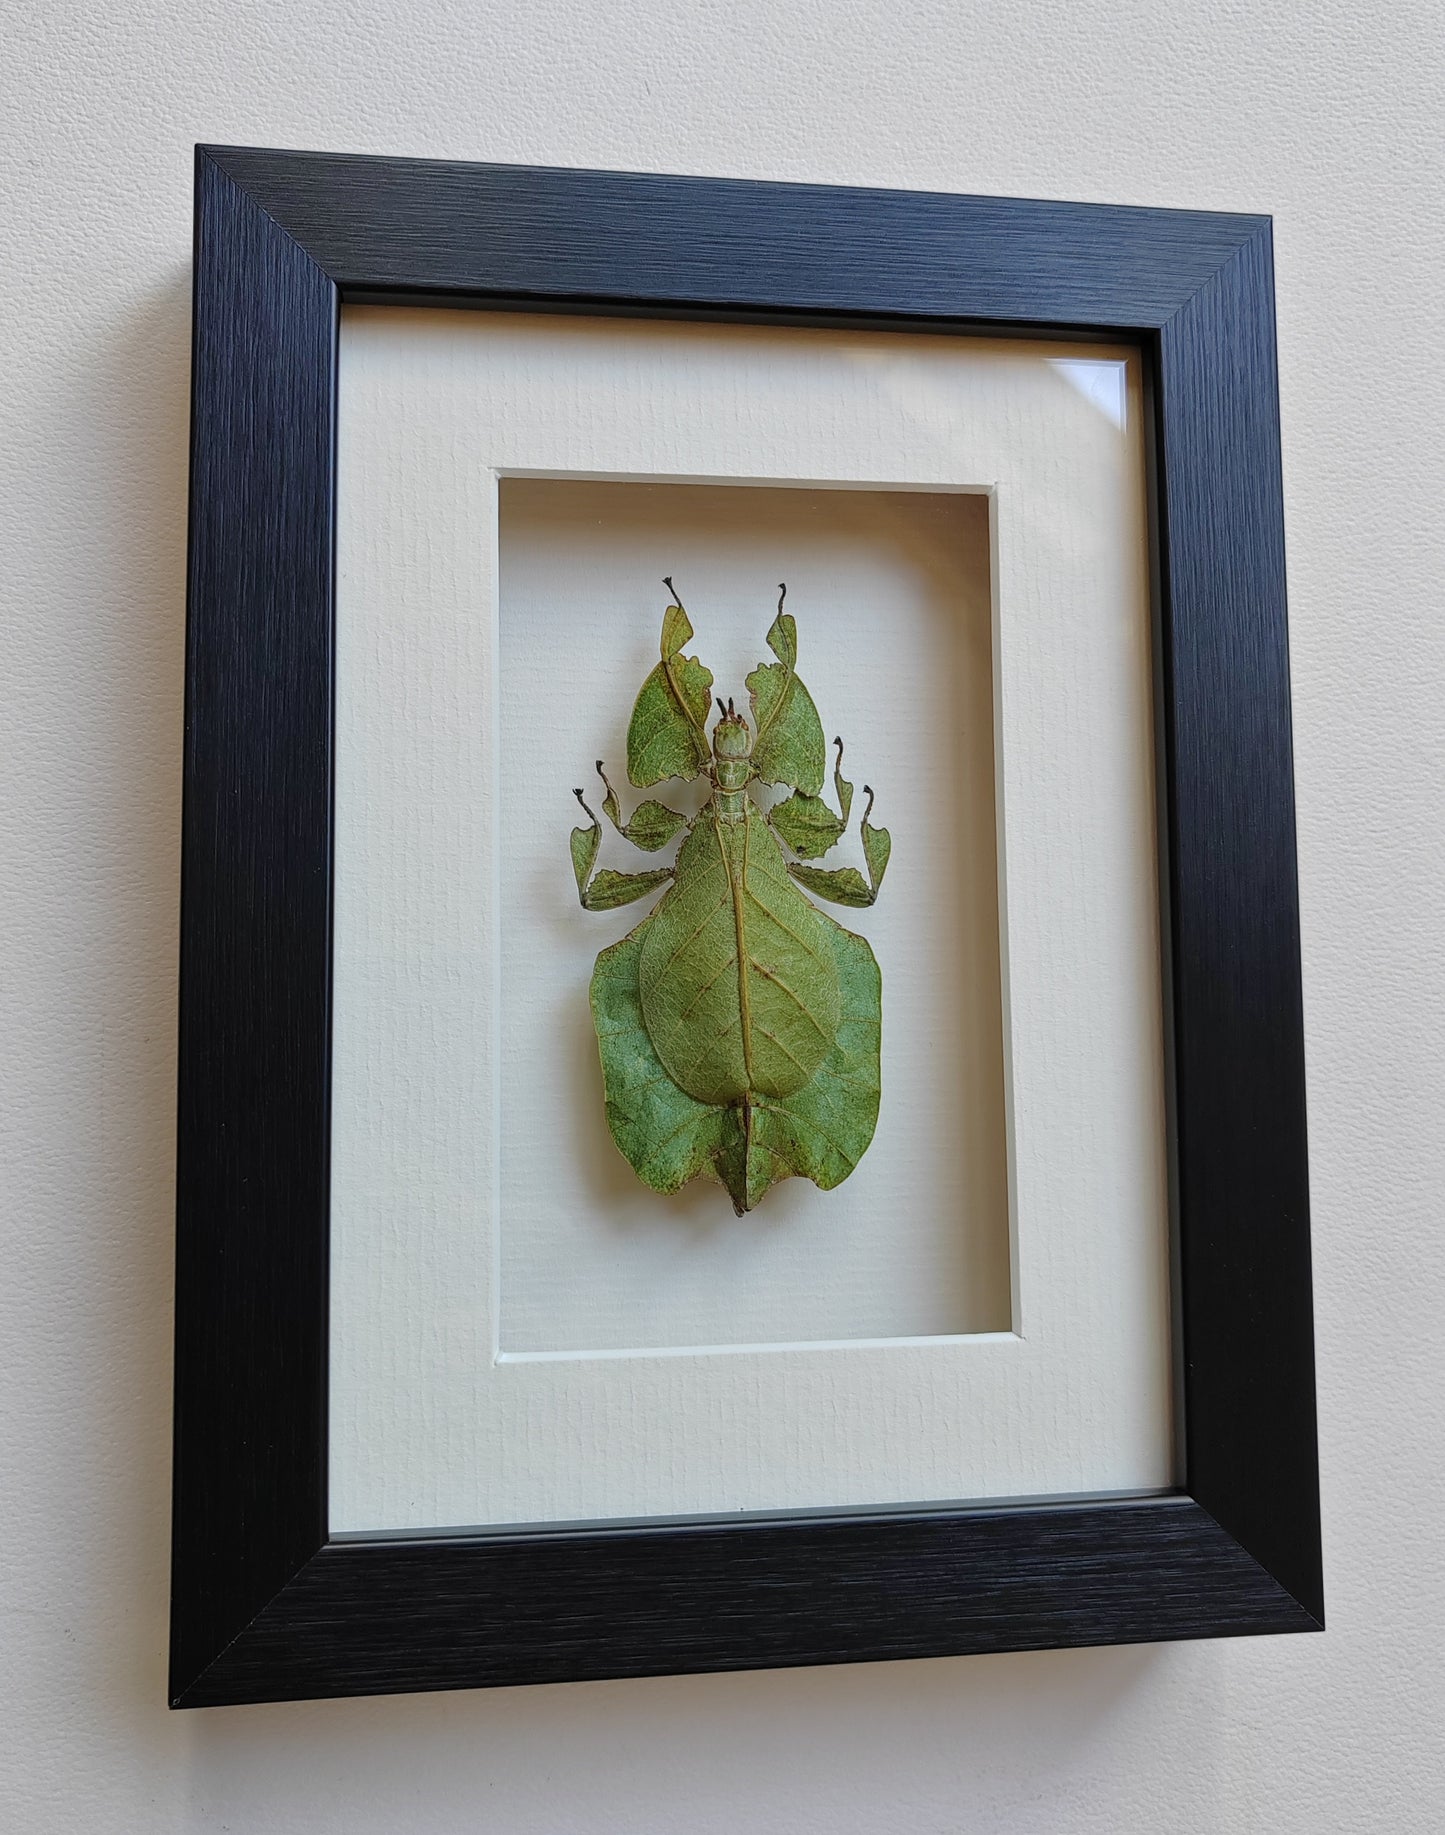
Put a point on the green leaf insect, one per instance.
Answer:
(738, 1024)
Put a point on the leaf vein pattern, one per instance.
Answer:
(787, 929)
(690, 1068)
(783, 987)
(693, 936)
(794, 1120)
(768, 1033)
(688, 1121)
(706, 988)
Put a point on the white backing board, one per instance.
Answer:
(891, 593)
(509, 1350)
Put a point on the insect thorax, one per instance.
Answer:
(732, 746)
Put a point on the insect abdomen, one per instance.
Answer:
(738, 976)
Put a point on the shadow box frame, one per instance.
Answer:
(265, 1604)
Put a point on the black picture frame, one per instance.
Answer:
(265, 1605)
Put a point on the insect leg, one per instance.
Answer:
(807, 824)
(844, 790)
(652, 826)
(605, 890)
(846, 885)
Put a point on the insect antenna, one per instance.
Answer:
(782, 593)
(721, 709)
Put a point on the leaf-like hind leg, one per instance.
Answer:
(606, 890)
(846, 885)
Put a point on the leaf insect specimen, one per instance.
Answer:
(738, 1024)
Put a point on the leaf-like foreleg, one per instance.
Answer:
(846, 885)
(605, 890)
(807, 824)
(652, 826)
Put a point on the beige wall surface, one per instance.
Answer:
(1325, 114)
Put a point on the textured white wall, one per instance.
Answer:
(1326, 114)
